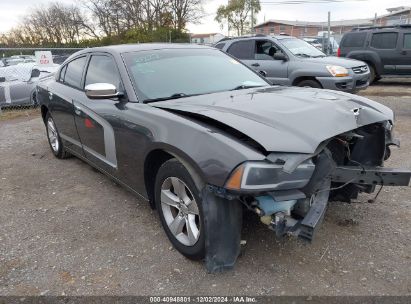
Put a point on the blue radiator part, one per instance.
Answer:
(269, 206)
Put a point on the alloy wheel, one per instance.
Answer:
(180, 211)
(52, 134)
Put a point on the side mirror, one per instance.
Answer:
(102, 91)
(2, 79)
(263, 73)
(35, 73)
(280, 56)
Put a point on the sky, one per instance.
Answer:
(11, 12)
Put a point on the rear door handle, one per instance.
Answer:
(255, 65)
(77, 110)
(404, 52)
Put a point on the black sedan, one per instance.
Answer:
(202, 138)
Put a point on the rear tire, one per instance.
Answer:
(310, 84)
(53, 136)
(179, 205)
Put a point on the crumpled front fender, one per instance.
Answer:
(223, 222)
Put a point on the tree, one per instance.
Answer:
(100, 22)
(186, 11)
(238, 14)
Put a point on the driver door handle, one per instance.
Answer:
(255, 65)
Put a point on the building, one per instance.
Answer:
(397, 15)
(210, 38)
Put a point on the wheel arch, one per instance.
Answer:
(298, 79)
(44, 110)
(157, 157)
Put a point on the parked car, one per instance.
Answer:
(286, 60)
(200, 136)
(386, 50)
(321, 43)
(314, 42)
(18, 83)
(18, 59)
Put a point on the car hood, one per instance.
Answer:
(331, 60)
(284, 119)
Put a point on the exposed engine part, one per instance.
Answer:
(364, 147)
(266, 205)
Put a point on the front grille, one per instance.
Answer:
(360, 69)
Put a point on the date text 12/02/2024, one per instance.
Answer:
(203, 299)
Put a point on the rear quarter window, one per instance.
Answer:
(407, 41)
(62, 74)
(384, 40)
(354, 40)
(242, 49)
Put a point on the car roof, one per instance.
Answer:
(278, 37)
(400, 27)
(126, 48)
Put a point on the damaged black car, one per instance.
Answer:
(203, 138)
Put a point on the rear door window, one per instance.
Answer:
(384, 40)
(407, 41)
(354, 40)
(74, 72)
(242, 49)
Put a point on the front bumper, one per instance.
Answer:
(282, 221)
(371, 176)
(352, 83)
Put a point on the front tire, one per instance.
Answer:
(180, 209)
(310, 84)
(55, 142)
(373, 75)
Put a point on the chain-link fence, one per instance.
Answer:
(20, 73)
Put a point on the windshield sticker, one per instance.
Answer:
(147, 58)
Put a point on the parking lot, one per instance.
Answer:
(66, 229)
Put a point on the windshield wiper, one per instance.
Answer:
(173, 96)
(243, 86)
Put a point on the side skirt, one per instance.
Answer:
(116, 180)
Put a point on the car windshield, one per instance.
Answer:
(177, 73)
(301, 48)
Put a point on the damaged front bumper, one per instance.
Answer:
(290, 191)
(275, 207)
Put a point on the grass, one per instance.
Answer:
(9, 114)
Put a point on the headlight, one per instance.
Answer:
(268, 176)
(337, 71)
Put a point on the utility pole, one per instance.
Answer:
(375, 19)
(252, 16)
(329, 34)
(228, 22)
